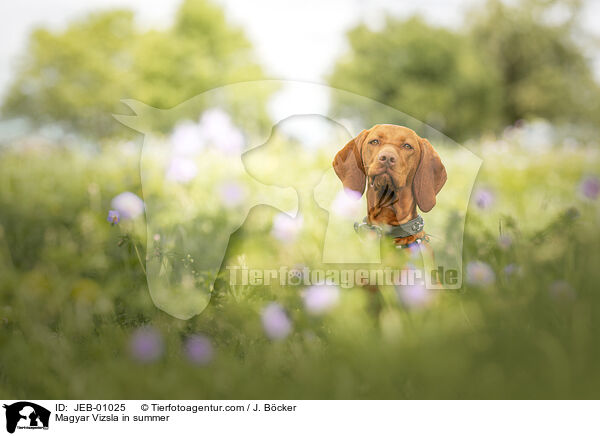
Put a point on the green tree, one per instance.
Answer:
(433, 74)
(509, 62)
(77, 77)
(544, 71)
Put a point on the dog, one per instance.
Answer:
(401, 171)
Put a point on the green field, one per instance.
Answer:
(77, 321)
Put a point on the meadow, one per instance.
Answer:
(77, 320)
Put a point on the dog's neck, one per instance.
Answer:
(399, 212)
(402, 210)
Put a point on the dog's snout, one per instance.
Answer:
(387, 157)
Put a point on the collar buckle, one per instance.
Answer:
(363, 228)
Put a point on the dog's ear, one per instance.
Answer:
(429, 177)
(348, 164)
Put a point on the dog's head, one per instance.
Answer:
(398, 167)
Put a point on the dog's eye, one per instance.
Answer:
(374, 142)
(408, 146)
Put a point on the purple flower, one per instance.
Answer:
(127, 205)
(512, 268)
(218, 130)
(232, 141)
(484, 198)
(480, 274)
(275, 322)
(113, 217)
(231, 194)
(187, 139)
(562, 290)
(146, 345)
(320, 299)
(414, 250)
(181, 170)
(199, 349)
(286, 229)
(347, 204)
(414, 296)
(590, 187)
(214, 121)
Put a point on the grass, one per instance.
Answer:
(72, 294)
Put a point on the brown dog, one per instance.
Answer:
(403, 171)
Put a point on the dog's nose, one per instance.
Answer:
(386, 157)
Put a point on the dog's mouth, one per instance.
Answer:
(385, 188)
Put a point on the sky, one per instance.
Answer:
(293, 39)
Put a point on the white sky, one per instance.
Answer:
(294, 39)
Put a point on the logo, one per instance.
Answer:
(26, 415)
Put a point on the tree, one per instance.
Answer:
(543, 70)
(433, 74)
(77, 77)
(509, 62)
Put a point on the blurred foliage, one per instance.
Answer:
(72, 295)
(542, 64)
(509, 63)
(76, 77)
(433, 74)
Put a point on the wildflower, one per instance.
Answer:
(413, 296)
(214, 121)
(231, 194)
(286, 229)
(232, 141)
(414, 250)
(275, 322)
(590, 187)
(484, 198)
(128, 205)
(187, 139)
(480, 274)
(199, 349)
(113, 217)
(347, 204)
(217, 128)
(181, 170)
(512, 268)
(146, 345)
(320, 299)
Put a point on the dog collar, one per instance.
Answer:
(409, 228)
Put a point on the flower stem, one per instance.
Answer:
(139, 257)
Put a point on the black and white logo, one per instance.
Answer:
(26, 415)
